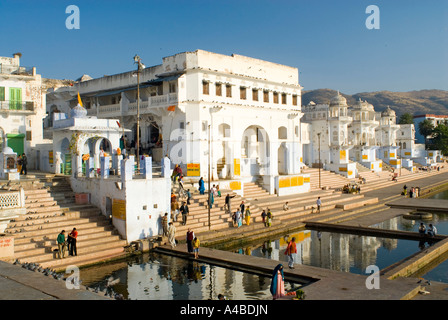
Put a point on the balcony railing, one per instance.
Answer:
(16, 70)
(17, 105)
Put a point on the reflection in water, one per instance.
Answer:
(153, 276)
(341, 252)
(162, 277)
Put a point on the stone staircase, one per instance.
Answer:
(328, 179)
(51, 207)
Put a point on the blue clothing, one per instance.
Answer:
(201, 186)
(274, 278)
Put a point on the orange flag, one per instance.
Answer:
(79, 99)
(171, 108)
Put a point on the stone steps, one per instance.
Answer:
(50, 205)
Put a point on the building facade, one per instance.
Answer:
(22, 108)
(236, 115)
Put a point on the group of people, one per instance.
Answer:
(69, 243)
(193, 243)
(183, 209)
(351, 188)
(237, 216)
(267, 217)
(414, 192)
(22, 162)
(430, 231)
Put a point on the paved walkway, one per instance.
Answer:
(17, 283)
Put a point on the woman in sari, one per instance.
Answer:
(239, 218)
(278, 282)
(172, 234)
(201, 186)
(247, 216)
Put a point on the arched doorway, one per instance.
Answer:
(255, 148)
(66, 157)
(282, 156)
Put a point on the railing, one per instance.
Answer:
(155, 101)
(16, 70)
(17, 105)
(109, 108)
(12, 199)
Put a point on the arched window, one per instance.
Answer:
(282, 133)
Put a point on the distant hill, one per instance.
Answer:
(414, 102)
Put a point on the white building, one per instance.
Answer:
(342, 136)
(22, 108)
(243, 113)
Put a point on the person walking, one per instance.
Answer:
(196, 244)
(242, 207)
(190, 238)
(188, 196)
(24, 169)
(73, 237)
(212, 199)
(247, 216)
(263, 216)
(319, 204)
(269, 218)
(238, 218)
(19, 163)
(201, 186)
(61, 244)
(227, 204)
(165, 224)
(172, 235)
(184, 211)
(291, 251)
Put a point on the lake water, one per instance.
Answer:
(161, 277)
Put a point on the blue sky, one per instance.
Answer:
(327, 40)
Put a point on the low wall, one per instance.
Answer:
(136, 206)
(294, 184)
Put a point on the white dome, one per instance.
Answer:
(8, 150)
(388, 112)
(338, 100)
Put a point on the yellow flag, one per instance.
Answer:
(79, 100)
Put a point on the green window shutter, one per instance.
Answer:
(2, 93)
(15, 98)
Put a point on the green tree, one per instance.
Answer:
(406, 118)
(440, 138)
(426, 128)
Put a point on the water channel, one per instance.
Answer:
(154, 276)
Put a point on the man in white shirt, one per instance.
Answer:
(319, 204)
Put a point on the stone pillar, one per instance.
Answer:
(127, 169)
(116, 163)
(166, 167)
(146, 167)
(104, 165)
(90, 168)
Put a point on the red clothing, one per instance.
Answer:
(74, 234)
(292, 248)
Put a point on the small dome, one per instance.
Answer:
(338, 100)
(8, 150)
(388, 112)
(78, 112)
